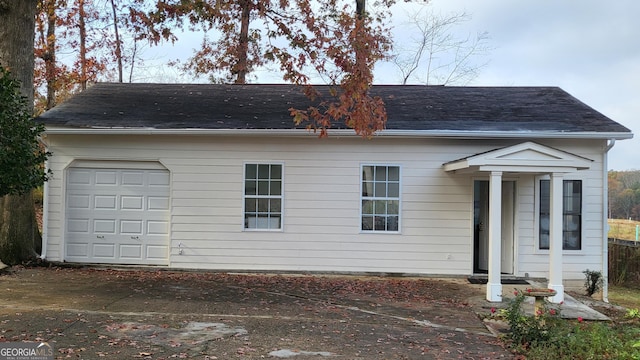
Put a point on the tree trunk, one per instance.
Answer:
(241, 67)
(17, 213)
(50, 57)
(118, 43)
(82, 30)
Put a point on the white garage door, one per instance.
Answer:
(117, 216)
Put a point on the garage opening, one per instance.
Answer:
(117, 215)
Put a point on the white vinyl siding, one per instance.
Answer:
(321, 223)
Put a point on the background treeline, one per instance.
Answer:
(624, 194)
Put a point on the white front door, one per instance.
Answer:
(117, 216)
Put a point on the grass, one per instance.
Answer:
(622, 229)
(624, 296)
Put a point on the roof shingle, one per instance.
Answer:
(413, 107)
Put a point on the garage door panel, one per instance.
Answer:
(117, 216)
(78, 250)
(158, 203)
(105, 202)
(104, 250)
(79, 201)
(106, 177)
(132, 178)
(131, 251)
(157, 252)
(157, 227)
(80, 226)
(131, 227)
(104, 226)
(158, 178)
(132, 202)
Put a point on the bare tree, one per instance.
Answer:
(436, 56)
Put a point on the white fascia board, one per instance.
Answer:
(53, 130)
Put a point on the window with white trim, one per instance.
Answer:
(380, 198)
(263, 196)
(571, 214)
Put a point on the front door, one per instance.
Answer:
(481, 222)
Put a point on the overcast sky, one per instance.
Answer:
(589, 48)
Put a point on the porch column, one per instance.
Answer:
(555, 237)
(494, 285)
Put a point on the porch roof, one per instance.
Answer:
(527, 157)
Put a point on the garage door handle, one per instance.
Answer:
(100, 236)
(135, 237)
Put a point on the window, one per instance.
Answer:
(263, 196)
(571, 214)
(380, 198)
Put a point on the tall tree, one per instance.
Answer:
(18, 226)
(339, 40)
(436, 56)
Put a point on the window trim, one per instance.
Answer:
(536, 228)
(361, 198)
(281, 197)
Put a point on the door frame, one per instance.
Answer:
(508, 235)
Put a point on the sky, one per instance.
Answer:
(589, 48)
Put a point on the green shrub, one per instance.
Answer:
(593, 281)
(548, 337)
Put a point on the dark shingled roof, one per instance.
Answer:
(414, 107)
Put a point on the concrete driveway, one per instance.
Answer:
(97, 313)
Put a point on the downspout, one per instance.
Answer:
(45, 214)
(605, 222)
(45, 204)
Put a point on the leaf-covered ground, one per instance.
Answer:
(91, 313)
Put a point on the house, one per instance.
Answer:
(464, 180)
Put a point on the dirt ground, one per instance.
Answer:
(97, 313)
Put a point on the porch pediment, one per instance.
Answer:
(528, 157)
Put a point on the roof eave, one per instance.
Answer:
(62, 130)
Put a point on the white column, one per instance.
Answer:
(555, 237)
(494, 285)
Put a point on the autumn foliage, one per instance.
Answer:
(334, 42)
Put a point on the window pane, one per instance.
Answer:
(367, 173)
(380, 207)
(379, 223)
(251, 171)
(263, 205)
(250, 221)
(393, 207)
(367, 223)
(276, 188)
(394, 190)
(275, 222)
(394, 173)
(276, 172)
(263, 187)
(263, 171)
(250, 187)
(275, 206)
(367, 207)
(381, 173)
(571, 240)
(250, 205)
(380, 189)
(392, 223)
(367, 189)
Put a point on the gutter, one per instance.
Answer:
(343, 132)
